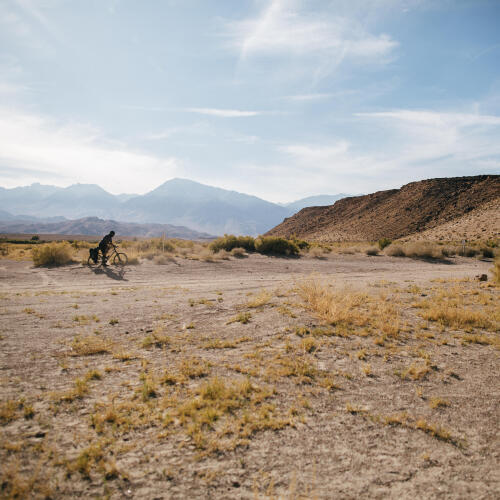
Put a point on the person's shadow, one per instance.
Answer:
(117, 273)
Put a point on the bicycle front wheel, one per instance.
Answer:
(120, 259)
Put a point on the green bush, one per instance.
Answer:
(302, 244)
(229, 241)
(384, 242)
(52, 254)
(35, 237)
(272, 245)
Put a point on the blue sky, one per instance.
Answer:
(278, 98)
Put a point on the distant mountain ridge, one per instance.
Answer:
(396, 213)
(320, 200)
(179, 202)
(93, 226)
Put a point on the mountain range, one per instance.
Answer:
(93, 226)
(178, 202)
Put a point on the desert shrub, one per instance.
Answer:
(487, 253)
(273, 245)
(162, 260)
(371, 251)
(155, 244)
(470, 252)
(423, 250)
(318, 252)
(4, 250)
(229, 241)
(492, 243)
(35, 237)
(395, 251)
(133, 260)
(52, 254)
(383, 242)
(449, 251)
(238, 252)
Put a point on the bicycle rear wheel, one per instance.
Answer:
(91, 263)
(120, 259)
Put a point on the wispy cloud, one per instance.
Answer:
(307, 97)
(223, 113)
(409, 145)
(33, 146)
(282, 28)
(434, 118)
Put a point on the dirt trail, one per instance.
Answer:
(255, 271)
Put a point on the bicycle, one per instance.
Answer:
(115, 257)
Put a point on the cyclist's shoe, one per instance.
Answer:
(105, 263)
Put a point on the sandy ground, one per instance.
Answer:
(347, 427)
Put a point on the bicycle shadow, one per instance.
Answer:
(114, 274)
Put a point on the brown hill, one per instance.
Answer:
(397, 213)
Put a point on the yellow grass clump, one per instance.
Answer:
(89, 345)
(332, 307)
(455, 316)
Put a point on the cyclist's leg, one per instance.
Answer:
(104, 251)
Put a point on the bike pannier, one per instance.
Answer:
(94, 254)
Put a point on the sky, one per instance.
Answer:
(281, 99)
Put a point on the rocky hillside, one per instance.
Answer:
(396, 213)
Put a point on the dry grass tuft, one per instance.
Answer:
(89, 345)
(438, 403)
(239, 253)
(455, 316)
(332, 307)
(223, 414)
(261, 299)
(157, 338)
(242, 318)
(476, 338)
(416, 371)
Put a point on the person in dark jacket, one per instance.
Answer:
(104, 246)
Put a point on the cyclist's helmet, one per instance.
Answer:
(112, 233)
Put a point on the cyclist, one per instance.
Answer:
(104, 245)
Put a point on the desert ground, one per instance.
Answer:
(348, 376)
